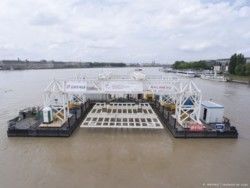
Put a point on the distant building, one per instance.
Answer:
(222, 61)
(226, 61)
(226, 67)
(43, 64)
(20, 65)
(218, 67)
(221, 65)
(1, 65)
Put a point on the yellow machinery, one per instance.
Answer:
(72, 105)
(149, 95)
(168, 106)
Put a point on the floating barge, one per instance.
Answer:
(30, 126)
(137, 102)
(29, 123)
(167, 118)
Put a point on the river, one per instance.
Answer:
(120, 158)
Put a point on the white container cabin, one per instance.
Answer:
(47, 115)
(211, 112)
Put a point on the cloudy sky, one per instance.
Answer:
(124, 30)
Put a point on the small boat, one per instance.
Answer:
(167, 70)
(189, 74)
(138, 69)
(213, 77)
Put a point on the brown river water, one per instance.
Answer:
(121, 158)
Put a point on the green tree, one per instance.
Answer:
(247, 69)
(237, 64)
(177, 64)
(241, 60)
(232, 64)
(190, 65)
(240, 70)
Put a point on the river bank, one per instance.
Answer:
(43, 64)
(238, 79)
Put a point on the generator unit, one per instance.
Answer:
(47, 115)
(211, 112)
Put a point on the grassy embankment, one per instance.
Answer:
(241, 79)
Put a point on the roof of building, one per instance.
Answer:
(210, 104)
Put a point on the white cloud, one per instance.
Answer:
(44, 19)
(244, 12)
(200, 46)
(124, 30)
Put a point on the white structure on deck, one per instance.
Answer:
(182, 92)
(211, 112)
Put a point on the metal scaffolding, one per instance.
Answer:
(57, 99)
(183, 93)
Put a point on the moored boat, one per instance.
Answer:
(213, 77)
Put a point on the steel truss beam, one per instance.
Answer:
(182, 92)
(57, 99)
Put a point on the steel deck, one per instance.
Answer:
(122, 115)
